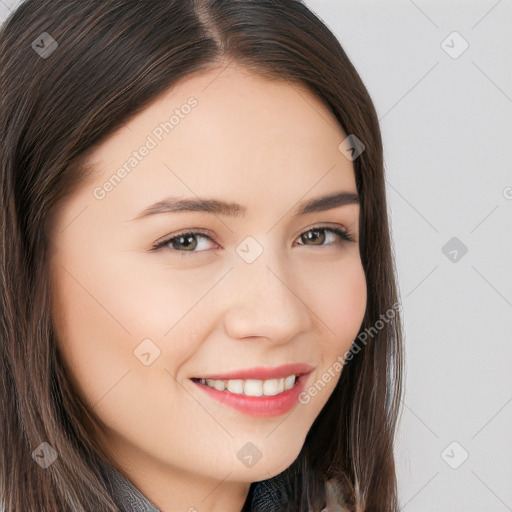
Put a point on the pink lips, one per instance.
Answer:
(260, 406)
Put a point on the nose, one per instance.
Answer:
(265, 300)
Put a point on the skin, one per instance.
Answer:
(267, 145)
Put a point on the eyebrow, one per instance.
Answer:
(218, 207)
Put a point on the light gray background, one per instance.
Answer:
(447, 130)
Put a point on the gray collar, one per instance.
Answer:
(127, 497)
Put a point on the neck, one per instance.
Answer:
(152, 488)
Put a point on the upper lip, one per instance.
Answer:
(263, 373)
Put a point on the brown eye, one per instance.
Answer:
(190, 242)
(317, 236)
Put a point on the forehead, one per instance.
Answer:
(226, 131)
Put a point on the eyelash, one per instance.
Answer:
(345, 236)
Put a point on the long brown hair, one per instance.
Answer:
(110, 60)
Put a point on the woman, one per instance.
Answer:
(199, 308)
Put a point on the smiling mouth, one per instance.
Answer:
(251, 387)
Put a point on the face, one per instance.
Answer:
(148, 299)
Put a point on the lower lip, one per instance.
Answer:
(260, 406)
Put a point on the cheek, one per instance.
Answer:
(102, 310)
(94, 346)
(339, 300)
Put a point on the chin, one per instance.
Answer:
(271, 467)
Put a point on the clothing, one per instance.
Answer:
(263, 496)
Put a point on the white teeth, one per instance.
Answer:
(252, 387)
(273, 386)
(236, 386)
(289, 382)
(217, 384)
